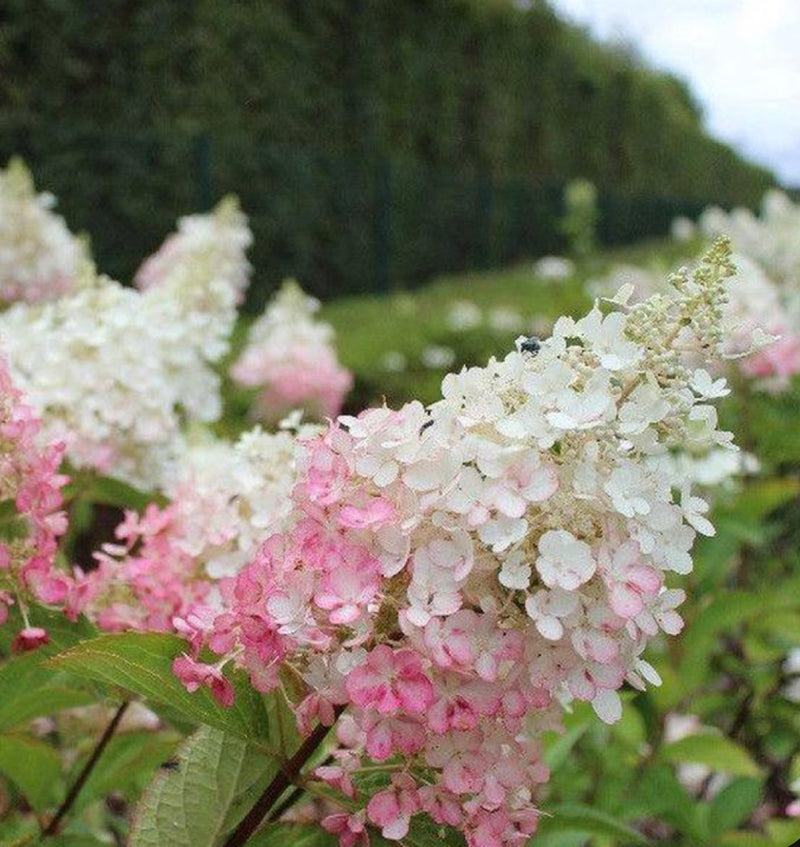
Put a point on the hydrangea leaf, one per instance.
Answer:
(216, 779)
(575, 817)
(142, 663)
(715, 751)
(35, 767)
(127, 765)
(733, 805)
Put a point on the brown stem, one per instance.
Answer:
(283, 779)
(291, 798)
(72, 794)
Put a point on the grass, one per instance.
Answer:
(407, 322)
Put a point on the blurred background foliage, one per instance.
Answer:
(373, 144)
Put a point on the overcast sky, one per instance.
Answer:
(741, 58)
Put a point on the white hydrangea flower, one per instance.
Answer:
(40, 259)
(116, 372)
(464, 315)
(564, 560)
(554, 268)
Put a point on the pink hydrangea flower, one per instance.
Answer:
(391, 681)
(350, 829)
(393, 808)
(194, 674)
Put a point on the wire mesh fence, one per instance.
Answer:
(338, 222)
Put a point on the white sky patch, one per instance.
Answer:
(740, 57)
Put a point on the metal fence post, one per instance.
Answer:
(204, 169)
(485, 234)
(383, 223)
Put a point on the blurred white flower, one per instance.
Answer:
(437, 357)
(114, 372)
(554, 268)
(291, 358)
(503, 319)
(464, 314)
(394, 361)
(40, 259)
(683, 229)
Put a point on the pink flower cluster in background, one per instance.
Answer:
(290, 357)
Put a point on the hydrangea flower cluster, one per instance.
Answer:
(193, 285)
(762, 331)
(225, 498)
(452, 576)
(769, 239)
(113, 372)
(31, 519)
(40, 259)
(219, 239)
(290, 358)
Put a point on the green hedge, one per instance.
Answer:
(374, 143)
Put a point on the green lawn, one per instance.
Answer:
(368, 327)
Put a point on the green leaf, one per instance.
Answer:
(560, 746)
(732, 806)
(217, 779)
(784, 833)
(127, 765)
(423, 832)
(761, 497)
(142, 663)
(33, 766)
(28, 688)
(109, 492)
(295, 835)
(745, 839)
(715, 751)
(574, 817)
(722, 615)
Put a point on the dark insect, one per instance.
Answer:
(171, 765)
(531, 345)
(425, 426)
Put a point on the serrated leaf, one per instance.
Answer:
(732, 806)
(142, 663)
(217, 779)
(575, 817)
(33, 766)
(714, 751)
